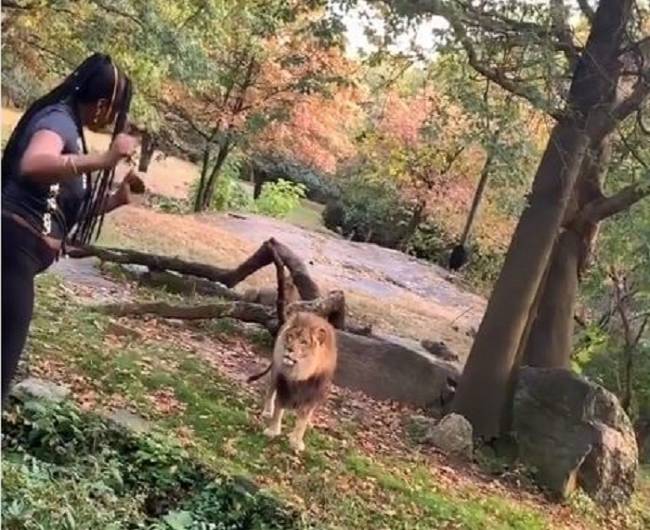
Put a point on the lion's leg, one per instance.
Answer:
(269, 401)
(303, 419)
(275, 426)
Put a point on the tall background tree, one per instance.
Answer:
(588, 87)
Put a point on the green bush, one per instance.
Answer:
(229, 194)
(64, 469)
(269, 168)
(368, 210)
(279, 198)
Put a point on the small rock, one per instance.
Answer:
(418, 427)
(439, 349)
(33, 387)
(453, 435)
(246, 484)
(128, 420)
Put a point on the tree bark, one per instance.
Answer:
(484, 389)
(330, 306)
(550, 342)
(211, 183)
(146, 151)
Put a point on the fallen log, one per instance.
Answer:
(154, 262)
(185, 285)
(331, 307)
(243, 311)
(262, 257)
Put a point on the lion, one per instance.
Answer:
(304, 360)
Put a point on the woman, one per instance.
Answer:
(47, 189)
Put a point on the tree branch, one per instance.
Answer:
(461, 15)
(331, 307)
(587, 10)
(559, 15)
(114, 10)
(603, 208)
(244, 311)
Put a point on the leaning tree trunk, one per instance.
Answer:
(211, 183)
(413, 224)
(483, 393)
(550, 342)
(146, 151)
(478, 196)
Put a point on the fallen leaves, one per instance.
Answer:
(164, 402)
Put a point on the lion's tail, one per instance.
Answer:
(261, 374)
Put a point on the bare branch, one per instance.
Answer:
(462, 15)
(562, 30)
(639, 334)
(586, 9)
(110, 8)
(603, 208)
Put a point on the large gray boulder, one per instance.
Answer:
(391, 370)
(573, 433)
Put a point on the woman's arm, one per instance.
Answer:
(43, 161)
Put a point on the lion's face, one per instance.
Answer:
(302, 350)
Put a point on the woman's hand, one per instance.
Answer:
(131, 183)
(123, 146)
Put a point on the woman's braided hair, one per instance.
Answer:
(95, 78)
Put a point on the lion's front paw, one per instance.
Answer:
(271, 432)
(296, 444)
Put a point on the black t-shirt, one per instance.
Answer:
(52, 208)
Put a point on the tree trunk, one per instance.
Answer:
(483, 393)
(198, 199)
(476, 201)
(414, 222)
(258, 181)
(211, 183)
(483, 390)
(146, 151)
(626, 400)
(549, 343)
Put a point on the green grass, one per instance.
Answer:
(335, 482)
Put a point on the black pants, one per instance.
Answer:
(24, 255)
